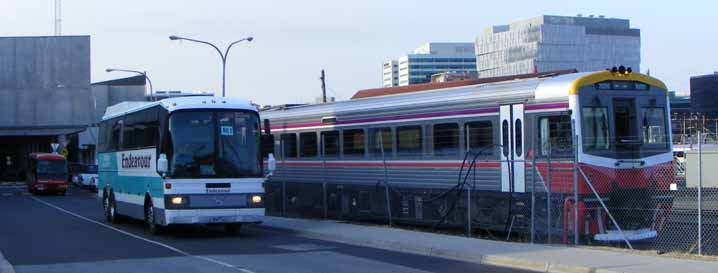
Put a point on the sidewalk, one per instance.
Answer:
(540, 258)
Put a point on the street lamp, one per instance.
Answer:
(221, 55)
(143, 73)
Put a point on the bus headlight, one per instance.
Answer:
(256, 199)
(177, 200)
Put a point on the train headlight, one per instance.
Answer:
(177, 200)
(256, 199)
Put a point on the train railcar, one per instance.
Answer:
(612, 125)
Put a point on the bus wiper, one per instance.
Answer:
(630, 141)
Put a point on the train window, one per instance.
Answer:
(555, 136)
(518, 137)
(408, 140)
(353, 142)
(595, 128)
(505, 137)
(330, 144)
(380, 138)
(654, 125)
(308, 144)
(480, 136)
(289, 144)
(446, 139)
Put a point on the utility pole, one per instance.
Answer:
(58, 17)
(324, 88)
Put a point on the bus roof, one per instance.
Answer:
(179, 103)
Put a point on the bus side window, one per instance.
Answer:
(116, 137)
(289, 144)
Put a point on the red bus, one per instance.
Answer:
(47, 173)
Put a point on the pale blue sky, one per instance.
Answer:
(294, 40)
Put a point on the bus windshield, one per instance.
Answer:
(51, 167)
(214, 144)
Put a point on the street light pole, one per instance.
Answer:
(143, 73)
(222, 56)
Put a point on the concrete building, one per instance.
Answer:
(427, 60)
(46, 98)
(390, 75)
(548, 43)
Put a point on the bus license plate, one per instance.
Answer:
(217, 190)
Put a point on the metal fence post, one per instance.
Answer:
(548, 195)
(700, 194)
(533, 188)
(284, 179)
(324, 177)
(386, 177)
(575, 188)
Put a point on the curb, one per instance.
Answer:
(495, 260)
(5, 266)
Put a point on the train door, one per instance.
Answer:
(512, 148)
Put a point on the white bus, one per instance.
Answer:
(188, 160)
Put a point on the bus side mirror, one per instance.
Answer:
(267, 145)
(162, 164)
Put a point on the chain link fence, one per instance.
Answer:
(649, 204)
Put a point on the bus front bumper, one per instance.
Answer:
(212, 216)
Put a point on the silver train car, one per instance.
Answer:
(410, 144)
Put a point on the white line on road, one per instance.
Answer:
(174, 249)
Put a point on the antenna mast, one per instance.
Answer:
(58, 17)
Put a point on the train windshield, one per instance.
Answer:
(214, 144)
(625, 128)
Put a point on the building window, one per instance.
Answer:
(480, 136)
(289, 142)
(353, 142)
(308, 144)
(330, 143)
(409, 140)
(380, 138)
(446, 139)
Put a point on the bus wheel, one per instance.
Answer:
(150, 219)
(233, 228)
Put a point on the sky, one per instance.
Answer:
(295, 40)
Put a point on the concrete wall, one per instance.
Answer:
(45, 82)
(108, 95)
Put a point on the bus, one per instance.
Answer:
(47, 173)
(187, 160)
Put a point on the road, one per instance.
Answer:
(58, 234)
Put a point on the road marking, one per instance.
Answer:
(171, 248)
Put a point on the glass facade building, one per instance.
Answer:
(430, 59)
(703, 95)
(549, 43)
